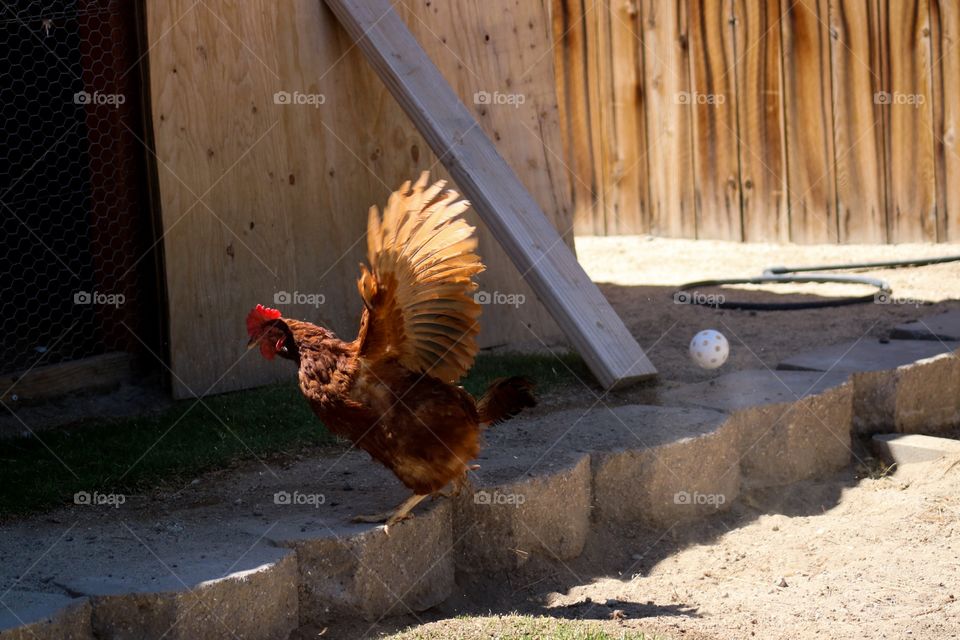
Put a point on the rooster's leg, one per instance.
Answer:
(392, 517)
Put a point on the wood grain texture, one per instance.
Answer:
(597, 61)
(51, 381)
(628, 207)
(945, 76)
(713, 103)
(858, 121)
(504, 204)
(600, 70)
(760, 114)
(506, 52)
(570, 51)
(808, 121)
(212, 101)
(908, 121)
(669, 160)
(286, 187)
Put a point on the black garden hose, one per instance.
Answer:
(686, 295)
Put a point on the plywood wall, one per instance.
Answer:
(764, 120)
(260, 198)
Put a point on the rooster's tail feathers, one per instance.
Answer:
(505, 398)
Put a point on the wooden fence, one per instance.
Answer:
(808, 121)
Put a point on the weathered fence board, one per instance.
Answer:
(858, 121)
(945, 72)
(713, 101)
(760, 115)
(629, 190)
(669, 163)
(804, 120)
(808, 121)
(908, 120)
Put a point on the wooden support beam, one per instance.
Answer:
(49, 381)
(499, 198)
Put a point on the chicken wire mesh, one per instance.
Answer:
(75, 238)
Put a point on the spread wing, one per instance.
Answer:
(418, 289)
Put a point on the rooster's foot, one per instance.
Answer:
(403, 512)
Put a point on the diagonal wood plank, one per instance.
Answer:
(504, 204)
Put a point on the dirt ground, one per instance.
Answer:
(639, 275)
(843, 558)
(875, 559)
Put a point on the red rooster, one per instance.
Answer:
(393, 390)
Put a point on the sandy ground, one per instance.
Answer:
(639, 276)
(844, 558)
(883, 562)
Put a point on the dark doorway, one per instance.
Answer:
(78, 259)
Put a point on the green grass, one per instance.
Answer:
(163, 449)
(517, 627)
(551, 373)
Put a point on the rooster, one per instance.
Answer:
(393, 391)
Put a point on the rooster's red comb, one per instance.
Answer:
(258, 316)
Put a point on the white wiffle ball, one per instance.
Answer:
(709, 349)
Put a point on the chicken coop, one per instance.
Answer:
(169, 164)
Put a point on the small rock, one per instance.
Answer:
(781, 582)
(617, 614)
